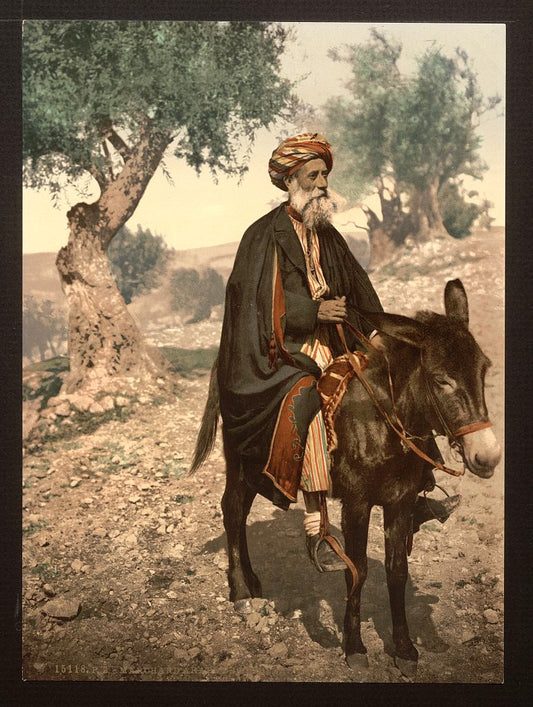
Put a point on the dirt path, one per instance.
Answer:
(111, 525)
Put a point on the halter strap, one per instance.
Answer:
(398, 428)
(474, 427)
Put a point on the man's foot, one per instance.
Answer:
(431, 509)
(322, 555)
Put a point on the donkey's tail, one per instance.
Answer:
(208, 429)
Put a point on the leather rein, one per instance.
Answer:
(397, 425)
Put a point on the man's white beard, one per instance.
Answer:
(315, 206)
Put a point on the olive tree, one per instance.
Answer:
(405, 136)
(103, 101)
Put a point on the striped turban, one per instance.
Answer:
(294, 152)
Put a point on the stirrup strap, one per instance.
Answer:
(334, 543)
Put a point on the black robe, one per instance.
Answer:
(251, 385)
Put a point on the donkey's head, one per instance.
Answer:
(452, 371)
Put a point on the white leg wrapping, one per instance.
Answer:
(312, 522)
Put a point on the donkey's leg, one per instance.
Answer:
(355, 519)
(252, 580)
(396, 521)
(236, 503)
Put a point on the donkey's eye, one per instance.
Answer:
(445, 382)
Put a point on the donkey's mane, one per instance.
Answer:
(425, 316)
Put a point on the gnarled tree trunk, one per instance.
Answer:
(425, 214)
(386, 235)
(106, 349)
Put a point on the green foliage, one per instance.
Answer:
(209, 83)
(43, 327)
(413, 129)
(187, 361)
(485, 219)
(457, 214)
(195, 292)
(137, 261)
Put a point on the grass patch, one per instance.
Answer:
(84, 423)
(58, 364)
(34, 527)
(175, 470)
(89, 613)
(183, 498)
(45, 572)
(161, 580)
(187, 362)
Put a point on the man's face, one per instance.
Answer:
(308, 193)
(313, 174)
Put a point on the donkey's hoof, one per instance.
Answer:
(357, 661)
(406, 667)
(242, 606)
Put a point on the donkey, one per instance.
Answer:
(436, 371)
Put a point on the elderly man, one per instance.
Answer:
(293, 279)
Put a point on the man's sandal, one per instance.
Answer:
(322, 555)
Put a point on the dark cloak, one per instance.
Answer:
(251, 387)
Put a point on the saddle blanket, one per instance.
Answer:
(332, 386)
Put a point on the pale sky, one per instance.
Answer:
(196, 212)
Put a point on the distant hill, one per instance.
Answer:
(218, 257)
(41, 279)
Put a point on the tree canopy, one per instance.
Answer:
(406, 134)
(104, 100)
(137, 261)
(209, 84)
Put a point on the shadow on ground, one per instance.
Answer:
(279, 558)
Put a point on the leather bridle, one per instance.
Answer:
(396, 425)
(453, 437)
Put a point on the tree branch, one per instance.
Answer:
(120, 198)
(118, 143)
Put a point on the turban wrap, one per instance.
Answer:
(294, 152)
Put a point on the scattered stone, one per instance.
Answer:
(48, 414)
(253, 619)
(107, 403)
(75, 481)
(49, 590)
(194, 652)
(258, 604)
(180, 654)
(121, 401)
(76, 565)
(81, 402)
(491, 616)
(63, 410)
(172, 595)
(62, 608)
(134, 499)
(467, 635)
(278, 651)
(100, 532)
(96, 408)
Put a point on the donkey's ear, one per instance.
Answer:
(456, 301)
(398, 327)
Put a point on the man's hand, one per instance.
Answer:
(332, 311)
(378, 342)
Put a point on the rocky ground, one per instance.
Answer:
(124, 556)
